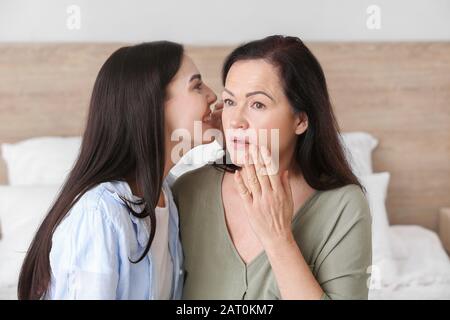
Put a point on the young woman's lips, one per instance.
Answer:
(207, 117)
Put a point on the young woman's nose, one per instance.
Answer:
(211, 96)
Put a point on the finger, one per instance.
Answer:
(214, 117)
(243, 191)
(252, 179)
(261, 172)
(272, 170)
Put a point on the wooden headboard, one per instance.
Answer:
(399, 92)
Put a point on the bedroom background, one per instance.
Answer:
(387, 65)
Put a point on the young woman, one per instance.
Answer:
(253, 231)
(112, 233)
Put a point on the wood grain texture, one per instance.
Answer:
(444, 228)
(399, 92)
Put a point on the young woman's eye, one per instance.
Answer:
(198, 86)
(228, 102)
(258, 105)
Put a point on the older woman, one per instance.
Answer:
(295, 226)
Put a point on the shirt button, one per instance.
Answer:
(181, 272)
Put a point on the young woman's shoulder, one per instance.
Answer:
(99, 207)
(89, 245)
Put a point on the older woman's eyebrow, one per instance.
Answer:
(259, 92)
(196, 76)
(228, 91)
(250, 93)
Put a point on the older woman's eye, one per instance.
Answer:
(258, 105)
(228, 102)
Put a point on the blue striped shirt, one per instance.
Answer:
(93, 245)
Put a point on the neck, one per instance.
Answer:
(296, 178)
(301, 190)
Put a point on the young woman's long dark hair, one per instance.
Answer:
(318, 153)
(124, 137)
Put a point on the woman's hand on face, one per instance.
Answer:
(267, 198)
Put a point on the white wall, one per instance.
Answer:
(222, 22)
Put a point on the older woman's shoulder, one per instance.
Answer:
(347, 201)
(198, 178)
(350, 192)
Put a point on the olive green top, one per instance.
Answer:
(332, 230)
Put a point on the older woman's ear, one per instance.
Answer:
(301, 123)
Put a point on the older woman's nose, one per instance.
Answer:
(237, 119)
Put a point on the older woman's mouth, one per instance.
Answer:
(240, 142)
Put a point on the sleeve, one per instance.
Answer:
(85, 263)
(171, 178)
(344, 266)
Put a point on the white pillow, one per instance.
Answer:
(40, 161)
(358, 147)
(383, 264)
(48, 160)
(22, 209)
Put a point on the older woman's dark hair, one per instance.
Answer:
(318, 151)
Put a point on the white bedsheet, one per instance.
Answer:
(421, 267)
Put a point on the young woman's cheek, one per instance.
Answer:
(202, 109)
